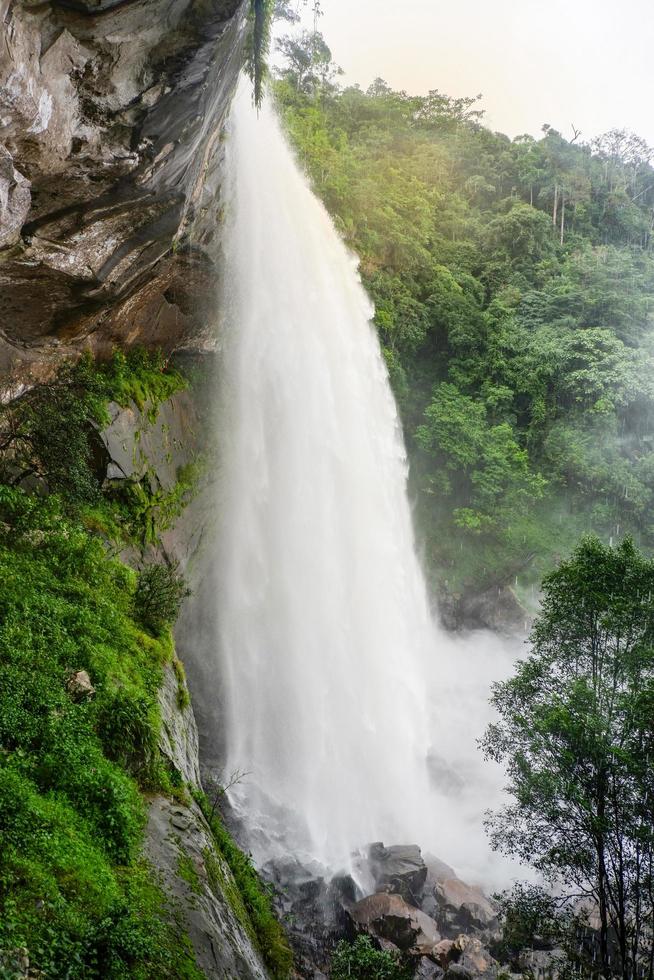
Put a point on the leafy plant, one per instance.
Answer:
(159, 595)
(361, 960)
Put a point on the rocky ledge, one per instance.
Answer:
(110, 151)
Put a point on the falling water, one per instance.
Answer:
(330, 653)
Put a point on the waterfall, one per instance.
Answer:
(333, 669)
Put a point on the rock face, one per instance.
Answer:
(412, 906)
(199, 884)
(110, 151)
(462, 907)
(201, 887)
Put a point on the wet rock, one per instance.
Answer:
(474, 960)
(313, 910)
(457, 971)
(462, 907)
(390, 918)
(547, 964)
(15, 200)
(399, 869)
(427, 970)
(446, 952)
(221, 944)
(110, 162)
(79, 686)
(178, 738)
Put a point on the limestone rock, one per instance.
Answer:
(178, 740)
(79, 685)
(474, 960)
(446, 952)
(15, 200)
(427, 970)
(110, 162)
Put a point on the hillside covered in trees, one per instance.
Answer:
(513, 282)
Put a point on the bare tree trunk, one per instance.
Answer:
(556, 204)
(604, 925)
(562, 213)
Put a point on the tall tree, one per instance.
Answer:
(576, 731)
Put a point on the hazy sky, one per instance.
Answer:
(587, 62)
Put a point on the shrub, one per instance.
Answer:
(159, 596)
(360, 960)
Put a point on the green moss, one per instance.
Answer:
(140, 512)
(188, 872)
(73, 888)
(142, 377)
(225, 885)
(183, 697)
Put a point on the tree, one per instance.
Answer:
(576, 733)
(309, 61)
(159, 595)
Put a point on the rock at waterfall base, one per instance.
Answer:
(399, 869)
(388, 917)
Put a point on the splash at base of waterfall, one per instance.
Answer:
(346, 703)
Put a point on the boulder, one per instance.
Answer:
(399, 869)
(446, 952)
(79, 686)
(427, 970)
(462, 907)
(474, 961)
(390, 918)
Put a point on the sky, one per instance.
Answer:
(587, 63)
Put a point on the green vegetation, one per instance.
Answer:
(258, 44)
(513, 282)
(73, 888)
(575, 732)
(159, 595)
(49, 434)
(531, 918)
(361, 960)
(252, 902)
(84, 640)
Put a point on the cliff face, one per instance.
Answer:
(179, 843)
(110, 117)
(110, 160)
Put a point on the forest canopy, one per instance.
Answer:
(513, 282)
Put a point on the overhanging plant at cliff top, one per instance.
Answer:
(258, 44)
